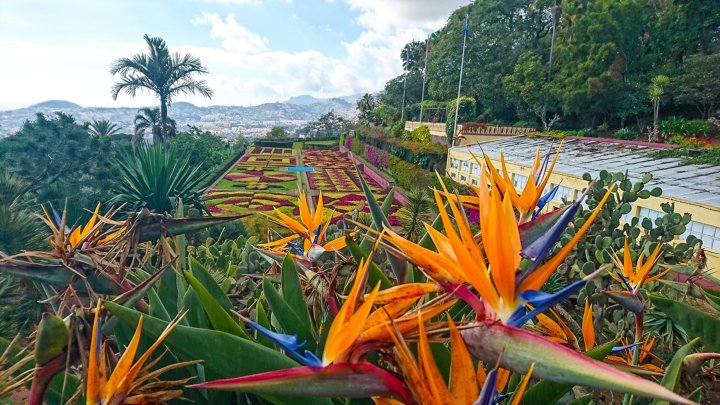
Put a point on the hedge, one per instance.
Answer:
(429, 156)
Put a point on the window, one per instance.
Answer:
(708, 234)
(565, 193)
(475, 169)
(452, 174)
(463, 178)
(648, 213)
(474, 182)
(465, 166)
(454, 163)
(519, 181)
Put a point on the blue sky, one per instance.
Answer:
(256, 51)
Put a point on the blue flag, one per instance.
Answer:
(465, 30)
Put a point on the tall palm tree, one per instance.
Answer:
(365, 105)
(150, 118)
(165, 74)
(103, 128)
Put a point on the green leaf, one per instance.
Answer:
(672, 373)
(202, 275)
(286, 316)
(223, 355)
(548, 392)
(292, 291)
(696, 323)
(196, 316)
(151, 231)
(261, 319)
(157, 308)
(219, 318)
(375, 275)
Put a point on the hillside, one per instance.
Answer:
(223, 120)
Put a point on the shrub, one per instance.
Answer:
(408, 175)
(398, 129)
(679, 126)
(421, 134)
(467, 112)
(626, 134)
(525, 124)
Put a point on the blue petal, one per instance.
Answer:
(488, 393)
(296, 248)
(317, 234)
(541, 301)
(289, 343)
(58, 220)
(625, 281)
(544, 200)
(617, 349)
(540, 248)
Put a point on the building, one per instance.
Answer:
(693, 189)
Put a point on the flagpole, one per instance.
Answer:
(462, 64)
(402, 111)
(422, 98)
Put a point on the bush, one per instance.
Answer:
(679, 126)
(408, 175)
(421, 134)
(525, 124)
(398, 129)
(467, 112)
(625, 134)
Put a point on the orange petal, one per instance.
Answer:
(588, 329)
(502, 378)
(123, 365)
(279, 242)
(463, 382)
(405, 291)
(523, 385)
(429, 368)
(343, 339)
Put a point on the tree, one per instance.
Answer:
(657, 89)
(167, 75)
(103, 128)
(202, 148)
(59, 159)
(366, 105)
(277, 132)
(329, 123)
(417, 212)
(697, 83)
(413, 56)
(149, 118)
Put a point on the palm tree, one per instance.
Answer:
(365, 105)
(413, 56)
(165, 74)
(657, 89)
(416, 212)
(103, 128)
(149, 118)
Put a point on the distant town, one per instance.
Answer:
(226, 121)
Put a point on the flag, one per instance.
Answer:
(465, 30)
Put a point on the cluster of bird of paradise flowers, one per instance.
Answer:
(477, 296)
(497, 274)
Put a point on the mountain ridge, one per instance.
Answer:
(224, 120)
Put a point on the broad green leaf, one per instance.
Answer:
(696, 323)
(202, 275)
(219, 318)
(286, 316)
(196, 316)
(59, 276)
(179, 226)
(261, 319)
(157, 308)
(223, 355)
(376, 275)
(292, 291)
(548, 392)
(671, 379)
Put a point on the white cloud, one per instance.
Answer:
(234, 36)
(244, 68)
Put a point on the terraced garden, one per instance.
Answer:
(260, 182)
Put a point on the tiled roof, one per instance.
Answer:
(694, 183)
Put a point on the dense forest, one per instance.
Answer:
(574, 63)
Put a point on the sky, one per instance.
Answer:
(256, 51)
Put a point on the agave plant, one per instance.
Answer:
(154, 178)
